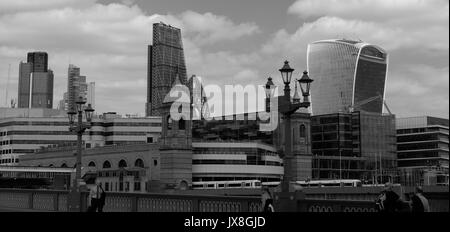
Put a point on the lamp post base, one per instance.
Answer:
(288, 201)
(74, 200)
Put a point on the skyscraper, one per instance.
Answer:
(76, 87)
(165, 60)
(35, 82)
(347, 74)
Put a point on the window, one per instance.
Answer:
(122, 164)
(149, 139)
(139, 163)
(137, 186)
(302, 131)
(155, 162)
(64, 165)
(181, 124)
(91, 164)
(169, 123)
(107, 186)
(106, 164)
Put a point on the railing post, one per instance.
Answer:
(30, 200)
(134, 202)
(195, 205)
(55, 201)
(245, 206)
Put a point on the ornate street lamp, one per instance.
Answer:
(270, 91)
(287, 108)
(79, 128)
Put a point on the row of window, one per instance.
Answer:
(238, 162)
(121, 186)
(9, 161)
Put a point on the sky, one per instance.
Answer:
(225, 42)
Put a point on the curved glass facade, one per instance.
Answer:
(345, 73)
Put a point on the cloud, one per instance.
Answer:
(380, 10)
(109, 44)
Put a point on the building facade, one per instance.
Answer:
(165, 60)
(77, 87)
(346, 73)
(359, 145)
(23, 133)
(422, 146)
(35, 89)
(123, 168)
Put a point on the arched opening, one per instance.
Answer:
(122, 164)
(302, 131)
(169, 123)
(64, 165)
(182, 124)
(91, 164)
(106, 164)
(139, 163)
(50, 165)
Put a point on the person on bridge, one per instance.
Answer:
(267, 201)
(389, 201)
(418, 202)
(96, 196)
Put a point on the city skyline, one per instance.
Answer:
(109, 41)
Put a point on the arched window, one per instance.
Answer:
(50, 165)
(64, 165)
(181, 124)
(302, 131)
(139, 163)
(91, 164)
(106, 164)
(169, 123)
(122, 164)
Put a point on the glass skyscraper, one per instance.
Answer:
(347, 74)
(165, 61)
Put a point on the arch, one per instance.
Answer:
(64, 165)
(169, 122)
(122, 164)
(139, 163)
(91, 164)
(302, 131)
(50, 165)
(181, 124)
(106, 164)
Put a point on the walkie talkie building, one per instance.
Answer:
(165, 61)
(346, 74)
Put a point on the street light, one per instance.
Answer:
(79, 128)
(287, 108)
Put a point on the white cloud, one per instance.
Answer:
(109, 44)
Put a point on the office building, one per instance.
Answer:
(422, 146)
(356, 145)
(77, 87)
(165, 60)
(23, 132)
(35, 89)
(346, 74)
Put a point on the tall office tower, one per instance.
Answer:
(35, 82)
(76, 87)
(165, 61)
(39, 61)
(346, 74)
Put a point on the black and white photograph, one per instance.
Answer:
(246, 107)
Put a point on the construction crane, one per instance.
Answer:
(352, 107)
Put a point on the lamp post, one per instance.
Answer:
(79, 128)
(287, 108)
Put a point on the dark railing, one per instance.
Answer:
(51, 200)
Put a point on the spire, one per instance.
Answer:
(296, 95)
